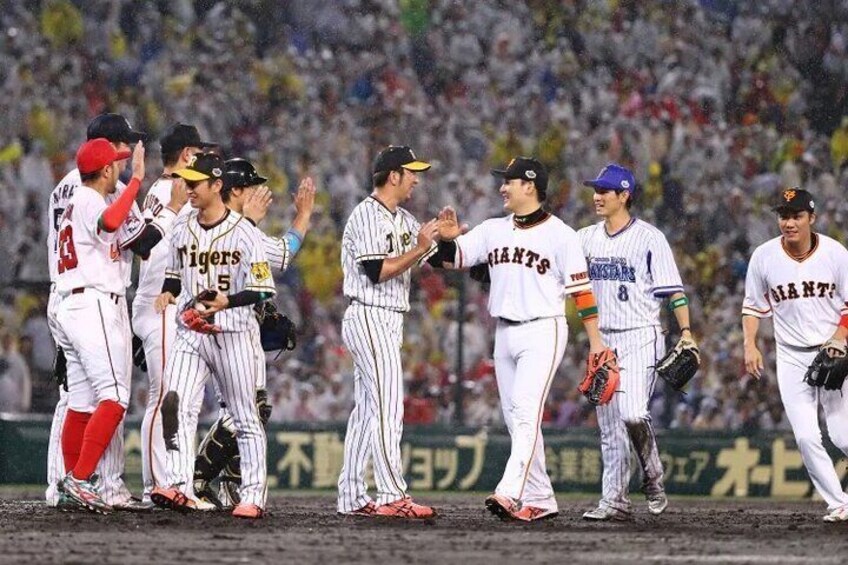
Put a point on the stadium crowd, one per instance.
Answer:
(714, 104)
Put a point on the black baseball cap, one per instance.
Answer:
(793, 200)
(203, 166)
(526, 168)
(179, 136)
(115, 128)
(395, 157)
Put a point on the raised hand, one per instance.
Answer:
(179, 196)
(449, 227)
(428, 233)
(257, 203)
(138, 161)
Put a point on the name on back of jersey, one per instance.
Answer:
(611, 269)
(202, 260)
(808, 289)
(521, 256)
(153, 204)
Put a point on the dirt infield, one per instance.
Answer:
(305, 530)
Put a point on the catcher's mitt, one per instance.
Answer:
(192, 319)
(680, 364)
(829, 368)
(276, 331)
(602, 377)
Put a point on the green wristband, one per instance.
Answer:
(677, 303)
(586, 312)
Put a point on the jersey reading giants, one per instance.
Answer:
(228, 257)
(807, 296)
(532, 267)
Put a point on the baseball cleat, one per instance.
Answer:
(657, 503)
(84, 493)
(405, 508)
(534, 514)
(501, 506)
(172, 499)
(368, 510)
(250, 511)
(66, 504)
(838, 515)
(606, 514)
(133, 504)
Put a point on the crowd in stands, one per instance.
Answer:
(714, 104)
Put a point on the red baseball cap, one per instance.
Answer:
(96, 153)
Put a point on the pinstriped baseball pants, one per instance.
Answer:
(374, 337)
(236, 362)
(526, 360)
(638, 351)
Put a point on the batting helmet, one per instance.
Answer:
(239, 173)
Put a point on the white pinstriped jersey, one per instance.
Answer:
(374, 232)
(151, 273)
(532, 268)
(228, 257)
(631, 272)
(58, 202)
(805, 297)
(88, 257)
(277, 250)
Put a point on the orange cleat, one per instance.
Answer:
(172, 499)
(251, 511)
(405, 508)
(501, 506)
(368, 510)
(532, 514)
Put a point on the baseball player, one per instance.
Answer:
(633, 272)
(118, 131)
(244, 191)
(218, 254)
(801, 279)
(381, 243)
(91, 282)
(155, 331)
(534, 261)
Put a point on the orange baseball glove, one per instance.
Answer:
(602, 377)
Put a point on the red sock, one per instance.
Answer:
(98, 434)
(72, 434)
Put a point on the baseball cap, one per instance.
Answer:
(526, 168)
(115, 128)
(613, 177)
(395, 157)
(239, 173)
(179, 136)
(794, 200)
(96, 153)
(203, 166)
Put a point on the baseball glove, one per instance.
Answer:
(602, 377)
(275, 330)
(192, 319)
(829, 368)
(680, 364)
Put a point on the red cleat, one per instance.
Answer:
(405, 508)
(250, 511)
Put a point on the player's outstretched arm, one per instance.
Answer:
(753, 357)
(256, 204)
(304, 204)
(395, 266)
(117, 212)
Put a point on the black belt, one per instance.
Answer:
(112, 296)
(509, 322)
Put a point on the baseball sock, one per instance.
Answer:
(72, 434)
(98, 435)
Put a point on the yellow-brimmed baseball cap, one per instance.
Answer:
(395, 157)
(203, 166)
